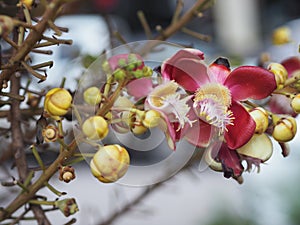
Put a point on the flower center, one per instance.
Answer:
(211, 104)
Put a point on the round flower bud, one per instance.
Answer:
(261, 118)
(120, 74)
(151, 118)
(259, 147)
(285, 129)
(50, 133)
(6, 25)
(57, 102)
(295, 103)
(110, 163)
(92, 96)
(280, 73)
(281, 35)
(95, 128)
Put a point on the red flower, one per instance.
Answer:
(218, 92)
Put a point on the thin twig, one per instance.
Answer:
(145, 24)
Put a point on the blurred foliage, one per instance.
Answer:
(230, 219)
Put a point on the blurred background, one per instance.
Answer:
(240, 30)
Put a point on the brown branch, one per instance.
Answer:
(193, 12)
(33, 37)
(23, 198)
(18, 145)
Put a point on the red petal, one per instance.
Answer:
(250, 82)
(186, 68)
(243, 128)
(231, 162)
(291, 64)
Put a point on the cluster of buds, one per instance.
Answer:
(129, 66)
(137, 121)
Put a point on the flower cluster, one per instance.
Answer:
(230, 114)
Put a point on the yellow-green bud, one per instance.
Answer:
(119, 74)
(295, 103)
(57, 102)
(281, 35)
(151, 118)
(285, 129)
(147, 71)
(95, 128)
(110, 163)
(138, 73)
(259, 147)
(261, 118)
(92, 96)
(280, 74)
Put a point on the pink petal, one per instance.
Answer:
(140, 88)
(231, 162)
(282, 105)
(291, 64)
(170, 131)
(200, 134)
(242, 129)
(250, 82)
(219, 72)
(186, 68)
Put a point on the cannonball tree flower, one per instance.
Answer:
(175, 107)
(218, 92)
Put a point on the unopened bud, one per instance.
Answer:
(280, 74)
(110, 163)
(285, 129)
(92, 96)
(95, 128)
(57, 102)
(295, 103)
(151, 118)
(120, 74)
(261, 118)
